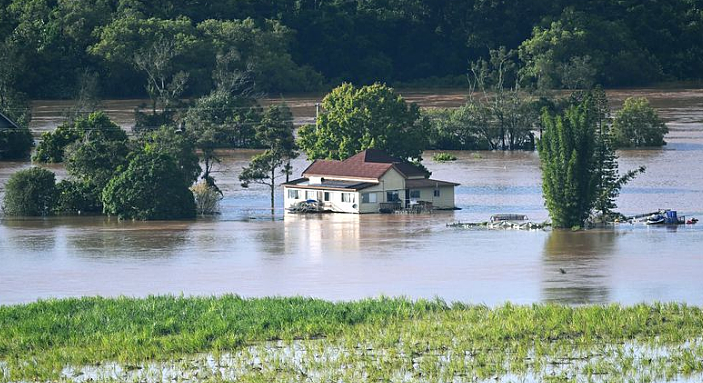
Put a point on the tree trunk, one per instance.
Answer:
(273, 186)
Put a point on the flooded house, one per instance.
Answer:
(369, 182)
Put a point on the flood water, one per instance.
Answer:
(249, 250)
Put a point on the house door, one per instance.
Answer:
(407, 198)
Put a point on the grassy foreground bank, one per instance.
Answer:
(301, 339)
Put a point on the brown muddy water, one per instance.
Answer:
(248, 250)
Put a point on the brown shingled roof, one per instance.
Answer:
(368, 164)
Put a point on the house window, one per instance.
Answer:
(309, 194)
(327, 196)
(415, 194)
(347, 197)
(392, 196)
(436, 192)
(292, 194)
(369, 198)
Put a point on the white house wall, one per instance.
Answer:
(334, 204)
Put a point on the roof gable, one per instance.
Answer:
(6, 123)
(368, 164)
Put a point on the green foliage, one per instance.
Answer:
(94, 127)
(151, 187)
(355, 119)
(463, 128)
(224, 119)
(30, 192)
(276, 133)
(637, 124)
(96, 159)
(443, 157)
(178, 146)
(579, 49)
(77, 197)
(580, 173)
(53, 144)
(291, 45)
(566, 156)
(497, 110)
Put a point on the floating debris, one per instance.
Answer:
(501, 225)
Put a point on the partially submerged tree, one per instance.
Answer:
(276, 132)
(354, 119)
(637, 124)
(207, 198)
(566, 155)
(505, 117)
(578, 161)
(30, 192)
(151, 187)
(225, 118)
(96, 126)
(179, 146)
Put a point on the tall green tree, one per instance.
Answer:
(276, 133)
(566, 151)
(354, 119)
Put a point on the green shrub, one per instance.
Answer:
(52, 145)
(30, 192)
(443, 157)
(152, 187)
(637, 124)
(75, 196)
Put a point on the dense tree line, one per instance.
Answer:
(293, 45)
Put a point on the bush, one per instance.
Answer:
(443, 157)
(74, 196)
(52, 145)
(637, 124)
(207, 198)
(30, 192)
(152, 187)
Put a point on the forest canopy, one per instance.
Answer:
(300, 45)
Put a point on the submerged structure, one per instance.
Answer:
(368, 182)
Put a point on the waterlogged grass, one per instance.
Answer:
(296, 339)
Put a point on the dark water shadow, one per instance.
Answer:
(576, 266)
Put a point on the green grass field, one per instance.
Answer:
(229, 338)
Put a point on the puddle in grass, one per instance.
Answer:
(338, 361)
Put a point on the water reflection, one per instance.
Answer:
(577, 265)
(319, 234)
(30, 234)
